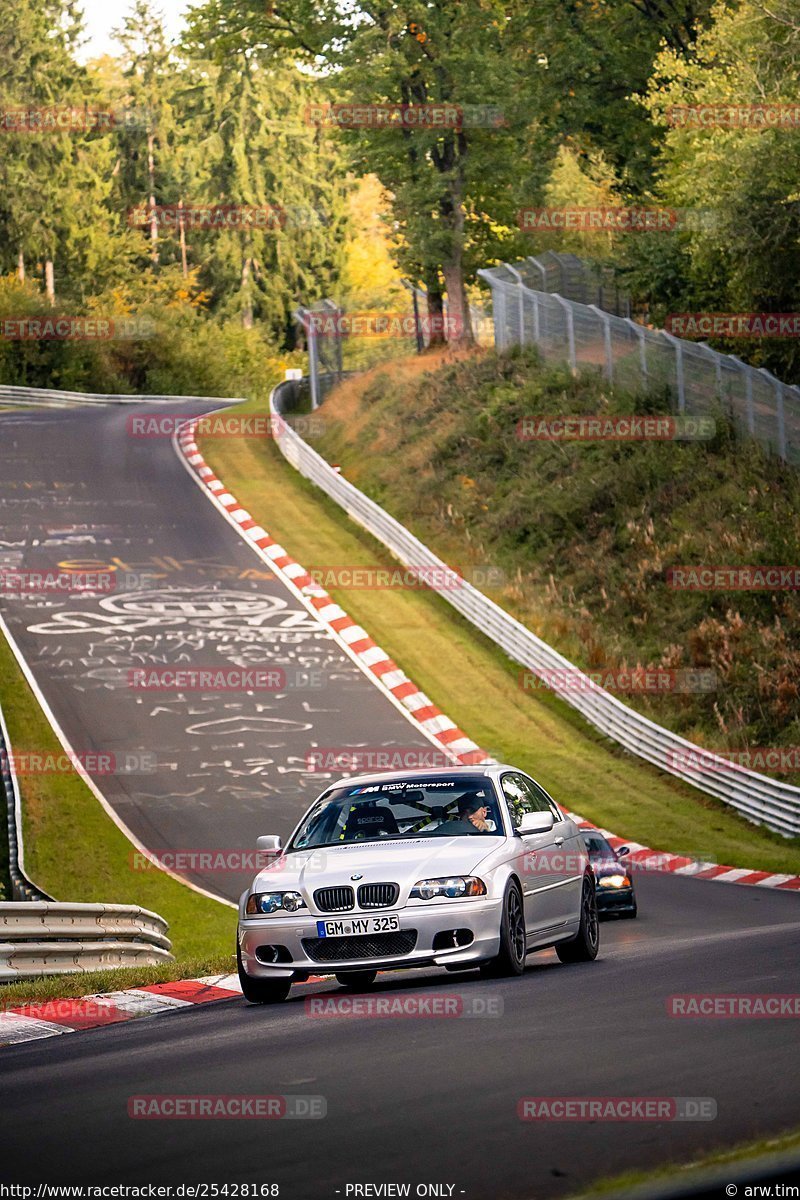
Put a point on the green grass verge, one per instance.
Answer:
(88, 983)
(586, 532)
(476, 685)
(686, 1173)
(75, 852)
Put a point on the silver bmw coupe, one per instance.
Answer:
(463, 867)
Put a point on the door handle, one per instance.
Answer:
(559, 841)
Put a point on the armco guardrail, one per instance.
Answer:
(42, 936)
(21, 887)
(46, 938)
(757, 797)
(52, 398)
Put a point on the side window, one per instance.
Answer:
(522, 796)
(547, 804)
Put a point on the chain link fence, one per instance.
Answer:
(341, 341)
(545, 302)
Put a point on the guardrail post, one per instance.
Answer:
(570, 329)
(604, 317)
(334, 308)
(748, 389)
(537, 332)
(501, 323)
(641, 334)
(313, 365)
(521, 301)
(678, 344)
(498, 307)
(779, 413)
(539, 267)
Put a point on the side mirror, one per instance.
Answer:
(623, 850)
(536, 822)
(270, 843)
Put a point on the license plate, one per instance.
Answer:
(356, 925)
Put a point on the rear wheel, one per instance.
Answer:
(357, 981)
(511, 959)
(261, 991)
(584, 946)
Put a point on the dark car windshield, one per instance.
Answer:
(442, 807)
(597, 846)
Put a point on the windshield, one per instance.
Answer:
(447, 807)
(597, 846)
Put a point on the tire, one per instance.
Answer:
(357, 981)
(261, 991)
(511, 959)
(584, 946)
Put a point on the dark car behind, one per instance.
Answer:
(616, 895)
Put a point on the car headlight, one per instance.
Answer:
(614, 881)
(456, 885)
(264, 903)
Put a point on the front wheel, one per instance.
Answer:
(584, 946)
(261, 991)
(357, 981)
(511, 959)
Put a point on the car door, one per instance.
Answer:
(568, 858)
(538, 861)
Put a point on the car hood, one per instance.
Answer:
(608, 866)
(403, 862)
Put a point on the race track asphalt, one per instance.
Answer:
(410, 1100)
(193, 772)
(422, 1100)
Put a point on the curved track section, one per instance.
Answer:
(417, 1101)
(186, 772)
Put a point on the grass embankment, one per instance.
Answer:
(586, 532)
(684, 1174)
(469, 678)
(89, 983)
(75, 852)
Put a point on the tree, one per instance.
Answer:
(745, 254)
(453, 185)
(584, 62)
(149, 71)
(242, 112)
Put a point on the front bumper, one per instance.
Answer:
(610, 900)
(478, 918)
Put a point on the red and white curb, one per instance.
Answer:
(357, 643)
(389, 676)
(48, 1018)
(645, 860)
